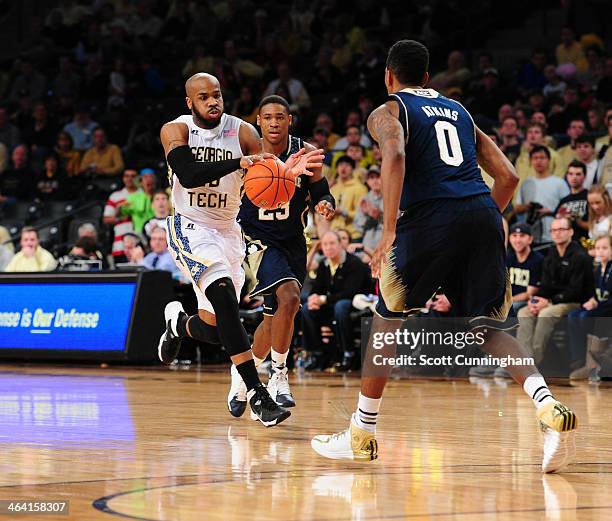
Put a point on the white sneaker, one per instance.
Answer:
(237, 396)
(557, 423)
(354, 443)
(278, 386)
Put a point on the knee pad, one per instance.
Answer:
(222, 296)
(200, 330)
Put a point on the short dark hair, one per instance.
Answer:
(278, 100)
(161, 191)
(29, 229)
(578, 164)
(346, 159)
(539, 148)
(408, 60)
(586, 139)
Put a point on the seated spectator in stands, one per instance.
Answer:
(456, 74)
(245, 107)
(570, 109)
(338, 279)
(353, 136)
(489, 95)
(569, 50)
(347, 191)
(369, 215)
(555, 86)
(600, 211)
(199, 62)
(161, 209)
(531, 75)
(599, 305)
(31, 80)
(536, 136)
(85, 249)
(7, 250)
(138, 205)
(41, 131)
(52, 183)
(540, 195)
(18, 181)
(325, 121)
(103, 159)
(133, 248)
(121, 224)
(575, 205)
(509, 138)
(585, 152)
(376, 153)
(69, 159)
(81, 130)
(524, 265)
(297, 91)
(89, 231)
(159, 258)
(32, 257)
(9, 133)
(568, 153)
(566, 283)
(605, 171)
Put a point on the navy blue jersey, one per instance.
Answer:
(524, 274)
(441, 148)
(282, 223)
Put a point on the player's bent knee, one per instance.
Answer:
(222, 296)
(289, 299)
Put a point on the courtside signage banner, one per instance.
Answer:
(70, 316)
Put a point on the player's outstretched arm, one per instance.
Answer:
(386, 129)
(318, 187)
(192, 173)
(499, 167)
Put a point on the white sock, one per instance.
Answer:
(279, 358)
(258, 361)
(367, 412)
(536, 388)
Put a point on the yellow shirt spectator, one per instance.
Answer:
(32, 257)
(103, 158)
(347, 192)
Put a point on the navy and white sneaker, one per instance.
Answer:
(237, 396)
(278, 386)
(264, 408)
(170, 341)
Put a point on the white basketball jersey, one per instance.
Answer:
(216, 203)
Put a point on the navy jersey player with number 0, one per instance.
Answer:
(449, 234)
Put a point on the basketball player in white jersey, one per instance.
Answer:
(206, 152)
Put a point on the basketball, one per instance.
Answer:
(266, 185)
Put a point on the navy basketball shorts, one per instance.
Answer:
(450, 246)
(274, 263)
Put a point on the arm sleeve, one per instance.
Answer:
(319, 191)
(192, 173)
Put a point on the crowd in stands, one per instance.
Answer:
(80, 114)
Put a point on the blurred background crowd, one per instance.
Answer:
(85, 86)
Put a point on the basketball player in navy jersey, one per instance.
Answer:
(276, 254)
(449, 235)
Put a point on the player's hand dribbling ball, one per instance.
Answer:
(267, 185)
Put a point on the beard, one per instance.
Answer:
(205, 122)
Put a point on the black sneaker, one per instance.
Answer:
(170, 341)
(264, 408)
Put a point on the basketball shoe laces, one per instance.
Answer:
(282, 381)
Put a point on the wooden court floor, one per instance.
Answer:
(158, 444)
